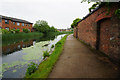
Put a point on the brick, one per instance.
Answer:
(109, 28)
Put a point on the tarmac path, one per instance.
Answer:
(78, 61)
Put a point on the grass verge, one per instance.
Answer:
(46, 66)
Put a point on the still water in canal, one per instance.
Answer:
(16, 55)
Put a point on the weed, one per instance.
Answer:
(46, 54)
(52, 46)
(32, 67)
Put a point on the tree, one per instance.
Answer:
(52, 29)
(42, 26)
(75, 22)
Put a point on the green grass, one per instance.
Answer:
(21, 35)
(46, 66)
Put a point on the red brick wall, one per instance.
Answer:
(114, 33)
(75, 32)
(12, 26)
(109, 37)
(105, 26)
(109, 31)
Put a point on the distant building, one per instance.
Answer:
(14, 23)
(68, 29)
(64, 30)
(61, 30)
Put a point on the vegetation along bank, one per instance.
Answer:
(41, 29)
(45, 67)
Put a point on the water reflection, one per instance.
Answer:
(18, 54)
(9, 47)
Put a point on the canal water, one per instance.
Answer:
(16, 55)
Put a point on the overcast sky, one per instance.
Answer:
(58, 13)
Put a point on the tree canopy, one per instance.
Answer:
(42, 26)
(75, 22)
(52, 29)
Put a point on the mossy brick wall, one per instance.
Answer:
(109, 31)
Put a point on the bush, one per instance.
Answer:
(12, 31)
(25, 30)
(46, 54)
(52, 46)
(32, 67)
(5, 31)
(17, 30)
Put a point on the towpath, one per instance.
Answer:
(78, 61)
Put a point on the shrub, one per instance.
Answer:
(5, 31)
(25, 30)
(32, 67)
(52, 46)
(17, 30)
(12, 31)
(46, 54)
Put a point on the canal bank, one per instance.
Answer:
(15, 63)
(46, 66)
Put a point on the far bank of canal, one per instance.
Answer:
(18, 55)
